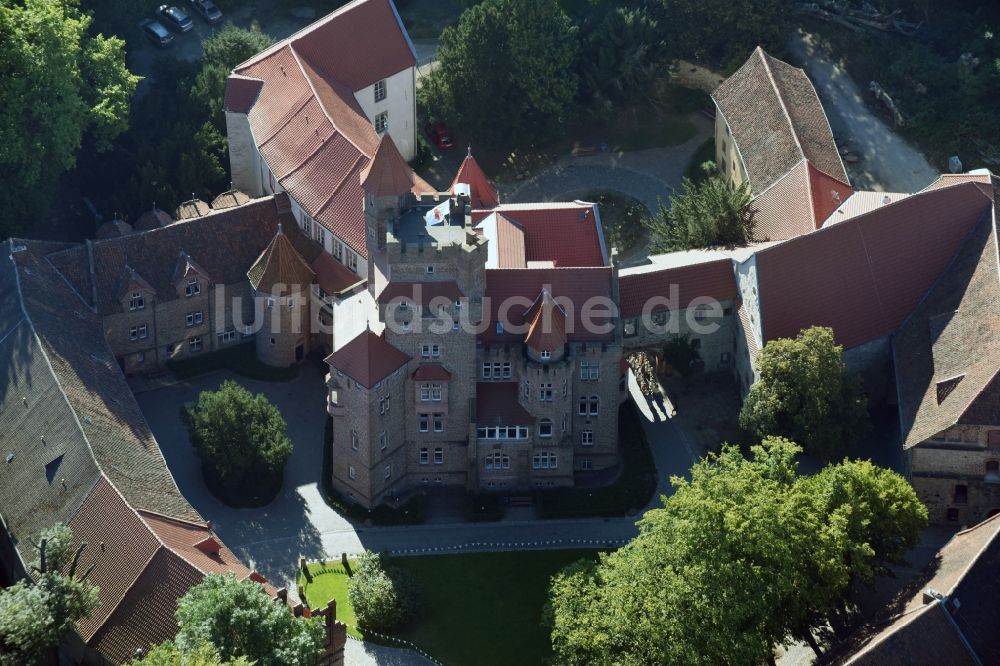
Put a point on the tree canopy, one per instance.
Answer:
(168, 654)
(36, 614)
(239, 619)
(241, 441)
(706, 214)
(381, 598)
(806, 394)
(742, 557)
(530, 94)
(59, 85)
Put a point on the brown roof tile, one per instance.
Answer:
(714, 279)
(332, 276)
(367, 359)
(153, 219)
(510, 243)
(954, 332)
(192, 208)
(777, 120)
(241, 93)
(566, 234)
(547, 331)
(281, 266)
(388, 174)
(113, 229)
(228, 199)
(497, 403)
(863, 276)
(431, 372)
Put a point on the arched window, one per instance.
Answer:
(545, 428)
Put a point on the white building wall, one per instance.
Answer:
(746, 284)
(244, 158)
(352, 315)
(400, 103)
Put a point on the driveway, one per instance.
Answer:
(888, 163)
(649, 175)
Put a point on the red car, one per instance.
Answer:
(441, 136)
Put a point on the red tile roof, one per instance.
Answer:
(514, 290)
(564, 233)
(510, 243)
(421, 293)
(863, 276)
(241, 93)
(712, 279)
(152, 219)
(332, 276)
(431, 372)
(280, 265)
(484, 195)
(497, 403)
(797, 203)
(388, 174)
(367, 359)
(547, 331)
(310, 129)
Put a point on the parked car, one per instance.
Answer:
(175, 17)
(157, 33)
(441, 136)
(207, 10)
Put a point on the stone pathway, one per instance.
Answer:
(648, 175)
(888, 163)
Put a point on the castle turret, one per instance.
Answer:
(280, 279)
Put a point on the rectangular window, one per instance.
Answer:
(387, 471)
(439, 456)
(546, 354)
(961, 494)
(439, 423)
(505, 370)
(545, 428)
(527, 388)
(136, 301)
(545, 392)
(424, 459)
(338, 250)
(138, 332)
(381, 441)
(587, 438)
(544, 460)
(424, 423)
(193, 318)
(383, 404)
(590, 370)
(487, 371)
(193, 288)
(350, 471)
(380, 90)
(595, 405)
(382, 122)
(352, 261)
(430, 351)
(195, 344)
(307, 224)
(629, 327)
(430, 392)
(227, 335)
(355, 440)
(587, 463)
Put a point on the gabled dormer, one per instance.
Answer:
(546, 338)
(189, 279)
(134, 292)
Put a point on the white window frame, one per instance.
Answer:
(545, 392)
(351, 473)
(355, 440)
(546, 354)
(136, 301)
(438, 420)
(548, 426)
(387, 471)
(381, 123)
(194, 344)
(425, 421)
(587, 438)
(381, 441)
(193, 288)
(439, 455)
(380, 90)
(424, 458)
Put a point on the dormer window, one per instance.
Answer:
(193, 288)
(136, 301)
(380, 90)
(546, 354)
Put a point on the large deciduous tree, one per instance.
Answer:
(57, 84)
(536, 42)
(707, 214)
(239, 619)
(241, 440)
(806, 394)
(382, 598)
(36, 614)
(168, 654)
(742, 557)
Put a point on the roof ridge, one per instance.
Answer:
(781, 100)
(157, 514)
(958, 631)
(69, 284)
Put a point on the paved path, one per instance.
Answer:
(300, 524)
(648, 175)
(888, 163)
(362, 653)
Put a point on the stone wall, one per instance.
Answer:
(951, 475)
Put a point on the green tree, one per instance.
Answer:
(524, 99)
(36, 614)
(241, 441)
(168, 654)
(381, 598)
(58, 85)
(239, 619)
(223, 51)
(806, 394)
(742, 557)
(706, 214)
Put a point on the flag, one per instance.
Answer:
(437, 215)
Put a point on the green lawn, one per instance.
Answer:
(330, 582)
(479, 608)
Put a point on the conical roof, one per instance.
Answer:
(547, 331)
(484, 195)
(153, 219)
(279, 264)
(387, 173)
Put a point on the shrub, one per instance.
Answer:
(382, 598)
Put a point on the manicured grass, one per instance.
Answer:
(478, 608)
(330, 582)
